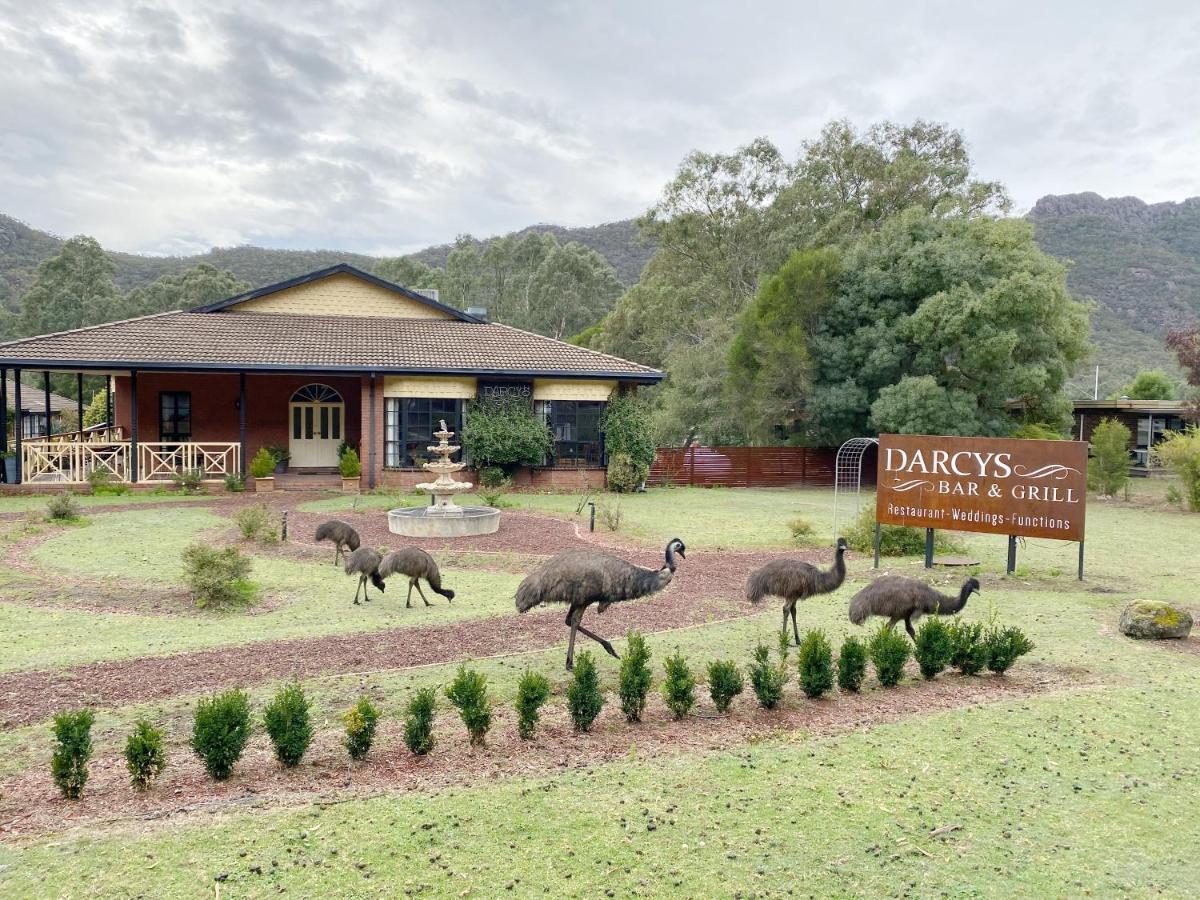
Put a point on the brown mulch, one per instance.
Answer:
(29, 803)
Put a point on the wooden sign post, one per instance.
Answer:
(991, 485)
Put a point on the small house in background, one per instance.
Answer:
(34, 415)
(1145, 419)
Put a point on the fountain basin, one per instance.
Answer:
(428, 521)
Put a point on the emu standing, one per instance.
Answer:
(580, 578)
(416, 564)
(364, 562)
(342, 535)
(898, 597)
(795, 580)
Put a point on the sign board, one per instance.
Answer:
(502, 391)
(993, 485)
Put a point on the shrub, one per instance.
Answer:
(1037, 431)
(1004, 646)
(349, 464)
(609, 513)
(767, 679)
(506, 433)
(724, 683)
(235, 482)
(889, 652)
(624, 476)
(468, 692)
(263, 463)
(894, 540)
(815, 661)
(62, 508)
(103, 484)
(933, 646)
(629, 433)
(254, 524)
(1108, 468)
(418, 721)
(493, 477)
(1180, 452)
(360, 720)
(1174, 497)
(533, 690)
(584, 698)
(851, 664)
(217, 578)
(968, 650)
(220, 731)
(190, 481)
(73, 749)
(633, 679)
(288, 722)
(802, 530)
(679, 688)
(145, 757)
(494, 499)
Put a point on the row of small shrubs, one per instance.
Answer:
(223, 723)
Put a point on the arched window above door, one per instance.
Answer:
(316, 393)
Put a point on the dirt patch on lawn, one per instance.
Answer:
(31, 805)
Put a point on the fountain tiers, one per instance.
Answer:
(443, 518)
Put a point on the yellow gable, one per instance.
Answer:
(340, 294)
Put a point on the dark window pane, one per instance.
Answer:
(337, 423)
(296, 423)
(324, 422)
(308, 422)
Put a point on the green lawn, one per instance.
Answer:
(26, 502)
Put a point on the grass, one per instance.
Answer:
(24, 502)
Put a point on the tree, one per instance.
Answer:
(72, 289)
(571, 289)
(1186, 344)
(1108, 468)
(1148, 385)
(1180, 452)
(408, 272)
(919, 405)
(194, 287)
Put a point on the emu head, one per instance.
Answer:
(970, 586)
(675, 545)
(842, 546)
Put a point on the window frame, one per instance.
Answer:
(564, 414)
(175, 436)
(399, 429)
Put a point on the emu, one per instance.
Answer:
(580, 578)
(795, 580)
(898, 597)
(416, 564)
(364, 563)
(342, 535)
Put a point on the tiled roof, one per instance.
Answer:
(230, 340)
(33, 399)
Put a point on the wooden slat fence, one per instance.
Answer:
(748, 466)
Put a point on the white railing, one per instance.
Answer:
(163, 460)
(72, 463)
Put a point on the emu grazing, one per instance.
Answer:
(344, 537)
(898, 597)
(580, 578)
(416, 564)
(795, 580)
(364, 563)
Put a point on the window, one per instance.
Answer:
(575, 426)
(175, 416)
(408, 426)
(33, 424)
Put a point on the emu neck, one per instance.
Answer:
(832, 579)
(948, 606)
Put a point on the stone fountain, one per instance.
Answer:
(443, 517)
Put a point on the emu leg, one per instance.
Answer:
(573, 622)
(408, 600)
(795, 628)
(357, 588)
(363, 579)
(785, 618)
(421, 592)
(337, 553)
(892, 622)
(908, 627)
(601, 641)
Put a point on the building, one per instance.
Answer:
(334, 356)
(1145, 419)
(35, 414)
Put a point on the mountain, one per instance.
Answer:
(22, 248)
(1139, 261)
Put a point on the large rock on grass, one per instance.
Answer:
(1155, 620)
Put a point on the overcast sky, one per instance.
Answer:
(383, 127)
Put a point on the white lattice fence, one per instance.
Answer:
(163, 461)
(72, 463)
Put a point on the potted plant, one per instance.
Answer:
(281, 456)
(351, 468)
(262, 467)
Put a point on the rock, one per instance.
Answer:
(1154, 619)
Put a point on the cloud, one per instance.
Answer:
(378, 127)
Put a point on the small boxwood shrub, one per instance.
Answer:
(468, 692)
(288, 720)
(679, 688)
(1005, 646)
(263, 463)
(218, 578)
(220, 731)
(633, 679)
(933, 647)
(724, 683)
(766, 678)
(493, 477)
(851, 664)
(72, 751)
(254, 524)
(235, 482)
(889, 652)
(533, 690)
(584, 697)
(969, 652)
(104, 484)
(145, 757)
(360, 720)
(62, 508)
(815, 661)
(894, 540)
(190, 481)
(349, 464)
(418, 721)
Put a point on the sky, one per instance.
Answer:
(384, 127)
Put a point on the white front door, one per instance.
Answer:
(317, 419)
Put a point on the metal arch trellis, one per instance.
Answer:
(847, 473)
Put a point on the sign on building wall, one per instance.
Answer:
(501, 391)
(993, 485)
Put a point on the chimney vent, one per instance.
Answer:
(479, 312)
